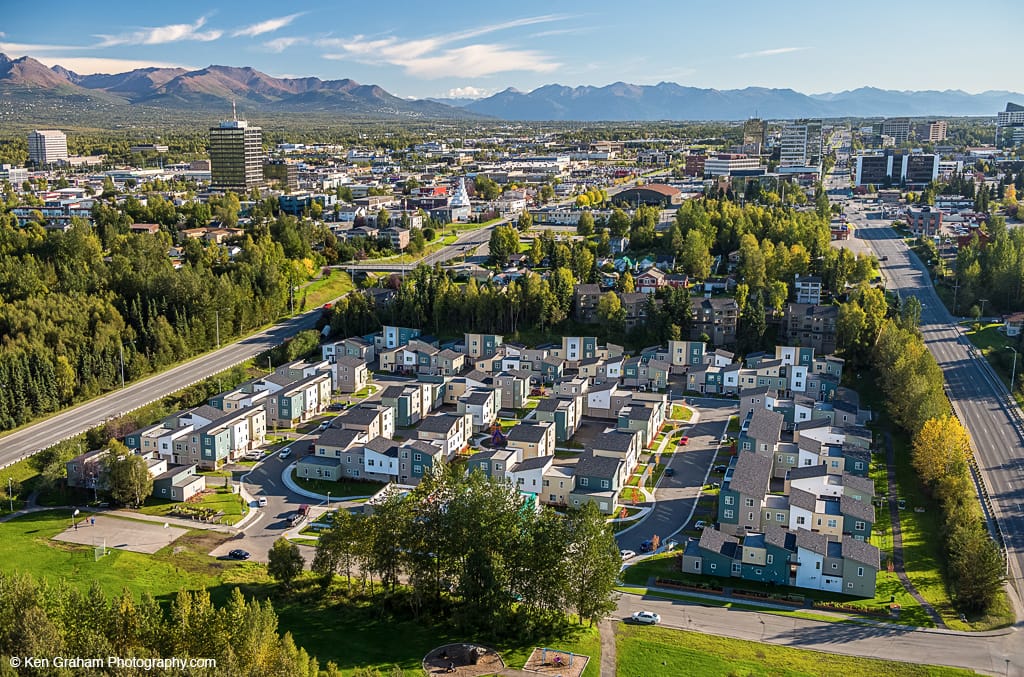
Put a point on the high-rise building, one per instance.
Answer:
(236, 156)
(898, 129)
(1010, 125)
(800, 145)
(936, 131)
(47, 147)
(754, 131)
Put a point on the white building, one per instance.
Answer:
(47, 147)
(726, 164)
(800, 146)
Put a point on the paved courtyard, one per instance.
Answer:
(147, 537)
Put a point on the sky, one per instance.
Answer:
(454, 49)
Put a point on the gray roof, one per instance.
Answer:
(360, 416)
(860, 551)
(204, 411)
(282, 380)
(532, 463)
(778, 537)
(392, 392)
(528, 432)
(861, 510)
(751, 475)
(477, 375)
(448, 354)
(336, 437)
(813, 423)
(548, 404)
(863, 484)
(799, 498)
(616, 440)
(765, 426)
(806, 471)
(760, 390)
(587, 289)
(477, 396)
(715, 541)
(439, 423)
(424, 447)
(383, 445)
(590, 465)
(812, 540)
(322, 461)
(350, 360)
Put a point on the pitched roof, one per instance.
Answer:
(778, 537)
(863, 484)
(532, 463)
(861, 510)
(350, 360)
(860, 551)
(360, 416)
(383, 445)
(765, 426)
(336, 437)
(751, 475)
(528, 432)
(477, 396)
(439, 423)
(798, 498)
(615, 440)
(392, 392)
(715, 541)
(806, 471)
(812, 540)
(590, 465)
(587, 289)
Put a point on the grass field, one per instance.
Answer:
(217, 498)
(326, 289)
(338, 490)
(993, 344)
(660, 651)
(681, 413)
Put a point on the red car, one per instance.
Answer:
(684, 440)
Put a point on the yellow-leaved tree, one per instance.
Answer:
(941, 448)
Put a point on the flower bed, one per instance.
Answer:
(850, 608)
(700, 587)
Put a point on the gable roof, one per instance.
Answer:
(590, 465)
(751, 474)
(812, 540)
(861, 510)
(337, 437)
(860, 551)
(798, 498)
(715, 541)
(765, 426)
(528, 432)
(534, 463)
(616, 440)
(439, 423)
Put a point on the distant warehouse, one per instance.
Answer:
(654, 194)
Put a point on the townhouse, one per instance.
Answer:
(350, 373)
(599, 479)
(371, 419)
(482, 405)
(716, 318)
(532, 440)
(564, 412)
(450, 431)
(645, 420)
(411, 402)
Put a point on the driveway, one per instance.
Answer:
(677, 495)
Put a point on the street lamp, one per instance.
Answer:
(328, 499)
(218, 327)
(1013, 370)
(10, 491)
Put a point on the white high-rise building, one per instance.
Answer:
(47, 147)
(800, 145)
(1010, 125)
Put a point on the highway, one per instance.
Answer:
(979, 399)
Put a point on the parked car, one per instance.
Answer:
(627, 554)
(684, 440)
(719, 468)
(262, 501)
(300, 514)
(646, 618)
(669, 472)
(285, 453)
(239, 554)
(325, 425)
(647, 546)
(699, 525)
(335, 406)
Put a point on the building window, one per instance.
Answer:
(604, 484)
(757, 572)
(858, 465)
(834, 565)
(713, 566)
(780, 517)
(737, 567)
(728, 514)
(584, 481)
(832, 524)
(859, 526)
(750, 517)
(800, 521)
(728, 500)
(771, 559)
(849, 586)
(417, 469)
(749, 502)
(860, 572)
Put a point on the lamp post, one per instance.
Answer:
(1013, 370)
(218, 327)
(10, 491)
(120, 348)
(328, 499)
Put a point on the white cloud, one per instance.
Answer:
(88, 65)
(24, 49)
(468, 92)
(280, 44)
(268, 26)
(159, 35)
(770, 52)
(436, 57)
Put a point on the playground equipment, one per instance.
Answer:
(498, 437)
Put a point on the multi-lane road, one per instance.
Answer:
(979, 399)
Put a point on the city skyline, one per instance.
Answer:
(417, 51)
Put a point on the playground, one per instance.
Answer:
(463, 660)
(555, 662)
(124, 534)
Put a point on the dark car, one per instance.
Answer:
(335, 406)
(239, 554)
(646, 546)
(719, 468)
(669, 472)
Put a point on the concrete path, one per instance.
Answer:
(897, 536)
(608, 660)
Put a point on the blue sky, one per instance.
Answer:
(472, 49)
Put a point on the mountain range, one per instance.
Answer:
(215, 87)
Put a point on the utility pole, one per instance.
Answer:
(120, 347)
(1013, 370)
(982, 302)
(218, 327)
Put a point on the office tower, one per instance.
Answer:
(800, 145)
(47, 147)
(936, 131)
(236, 156)
(1010, 125)
(898, 129)
(754, 132)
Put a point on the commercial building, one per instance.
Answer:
(47, 147)
(695, 164)
(732, 164)
(1010, 125)
(898, 129)
(15, 175)
(934, 131)
(800, 147)
(236, 156)
(894, 167)
(283, 172)
(924, 221)
(657, 194)
(754, 131)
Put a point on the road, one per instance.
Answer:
(677, 495)
(465, 243)
(981, 402)
(70, 422)
(999, 653)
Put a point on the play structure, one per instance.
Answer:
(498, 437)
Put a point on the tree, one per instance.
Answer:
(284, 562)
(752, 264)
(941, 447)
(585, 226)
(594, 565)
(126, 475)
(610, 310)
(696, 257)
(504, 243)
(337, 548)
(618, 223)
(536, 252)
(976, 569)
(626, 284)
(547, 193)
(525, 221)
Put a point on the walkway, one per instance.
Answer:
(897, 536)
(608, 661)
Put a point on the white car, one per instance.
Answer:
(627, 554)
(285, 453)
(699, 526)
(262, 502)
(646, 617)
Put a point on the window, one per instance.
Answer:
(780, 517)
(832, 524)
(757, 572)
(817, 566)
(584, 481)
(546, 482)
(369, 462)
(849, 586)
(800, 520)
(552, 498)
(859, 526)
(790, 460)
(860, 571)
(750, 517)
(405, 454)
(749, 502)
(713, 566)
(858, 465)
(696, 565)
(780, 458)
(729, 500)
(834, 565)
(737, 567)
(417, 469)
(728, 514)
(771, 559)
(604, 484)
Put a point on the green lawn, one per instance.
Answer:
(681, 413)
(734, 424)
(993, 345)
(219, 499)
(661, 651)
(326, 289)
(339, 489)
